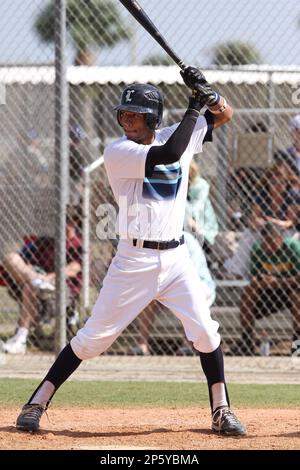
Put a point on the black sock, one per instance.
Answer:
(65, 364)
(213, 368)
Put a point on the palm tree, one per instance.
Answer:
(89, 22)
(236, 53)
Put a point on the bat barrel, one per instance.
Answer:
(141, 16)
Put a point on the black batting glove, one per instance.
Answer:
(193, 77)
(197, 101)
(211, 97)
(195, 80)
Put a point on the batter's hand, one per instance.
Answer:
(195, 80)
(193, 77)
(197, 101)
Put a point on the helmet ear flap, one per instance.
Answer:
(153, 121)
(160, 112)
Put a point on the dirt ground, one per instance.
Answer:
(149, 428)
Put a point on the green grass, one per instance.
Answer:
(92, 393)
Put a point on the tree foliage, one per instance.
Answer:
(236, 53)
(89, 22)
(158, 59)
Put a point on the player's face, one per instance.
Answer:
(135, 128)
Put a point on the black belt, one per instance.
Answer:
(160, 245)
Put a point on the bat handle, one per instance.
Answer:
(181, 64)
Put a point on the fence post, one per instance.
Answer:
(61, 169)
(86, 239)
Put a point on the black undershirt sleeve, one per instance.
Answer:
(175, 146)
(210, 126)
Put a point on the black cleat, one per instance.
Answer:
(29, 418)
(225, 422)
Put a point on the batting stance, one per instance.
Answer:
(148, 172)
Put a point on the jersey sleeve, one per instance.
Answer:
(126, 159)
(202, 133)
(210, 126)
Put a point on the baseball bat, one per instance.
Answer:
(141, 16)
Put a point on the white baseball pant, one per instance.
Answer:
(137, 276)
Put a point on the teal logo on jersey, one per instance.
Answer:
(164, 182)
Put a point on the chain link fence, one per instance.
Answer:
(252, 59)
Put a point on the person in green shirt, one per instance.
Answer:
(274, 284)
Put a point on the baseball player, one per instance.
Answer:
(148, 172)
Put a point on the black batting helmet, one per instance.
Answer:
(143, 98)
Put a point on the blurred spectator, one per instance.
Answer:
(271, 205)
(274, 283)
(200, 217)
(274, 199)
(292, 153)
(146, 318)
(30, 275)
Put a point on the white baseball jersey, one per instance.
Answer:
(139, 275)
(150, 208)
